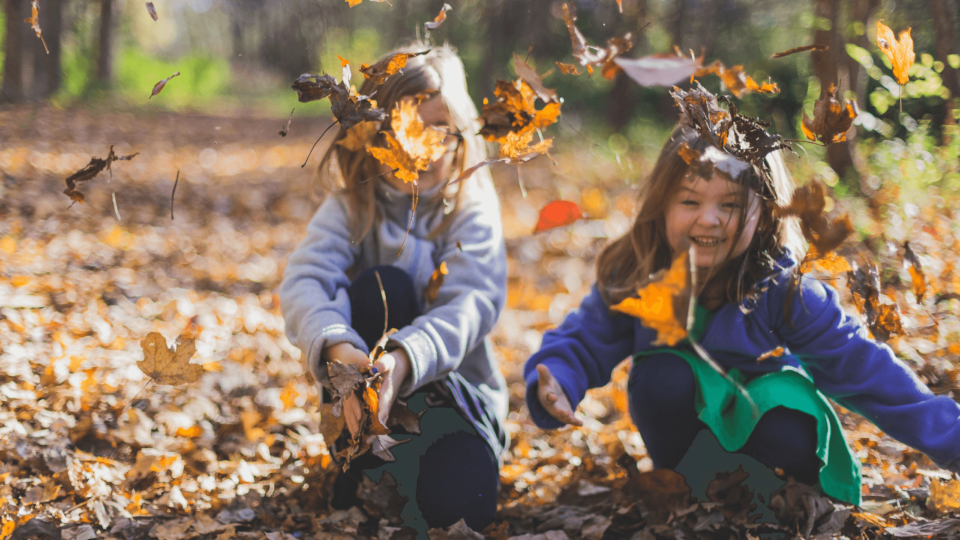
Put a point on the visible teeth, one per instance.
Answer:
(706, 241)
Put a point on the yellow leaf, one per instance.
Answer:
(289, 395)
(945, 497)
(899, 50)
(413, 148)
(432, 289)
(656, 307)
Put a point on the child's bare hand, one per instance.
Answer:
(553, 398)
(348, 354)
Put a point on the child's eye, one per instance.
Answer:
(689, 202)
(732, 206)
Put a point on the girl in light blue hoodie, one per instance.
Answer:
(440, 361)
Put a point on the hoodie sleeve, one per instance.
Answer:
(581, 354)
(472, 295)
(865, 376)
(313, 293)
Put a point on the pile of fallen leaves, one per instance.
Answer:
(97, 443)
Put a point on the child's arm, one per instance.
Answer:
(580, 354)
(313, 294)
(866, 376)
(472, 295)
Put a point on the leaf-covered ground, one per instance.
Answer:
(90, 446)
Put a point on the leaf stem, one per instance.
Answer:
(318, 140)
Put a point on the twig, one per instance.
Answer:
(379, 175)
(173, 192)
(315, 144)
(115, 209)
(577, 131)
(383, 295)
(413, 212)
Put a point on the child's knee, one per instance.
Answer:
(784, 437)
(662, 380)
(459, 479)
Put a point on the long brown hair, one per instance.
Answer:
(628, 261)
(356, 174)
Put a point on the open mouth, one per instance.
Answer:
(706, 241)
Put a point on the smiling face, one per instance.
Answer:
(434, 115)
(706, 213)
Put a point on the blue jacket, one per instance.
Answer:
(846, 365)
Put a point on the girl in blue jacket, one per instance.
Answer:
(750, 303)
(440, 360)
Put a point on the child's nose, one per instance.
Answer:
(709, 216)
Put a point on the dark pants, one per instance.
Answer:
(661, 395)
(448, 472)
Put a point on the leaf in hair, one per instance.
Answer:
(700, 110)
(388, 66)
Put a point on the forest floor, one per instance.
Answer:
(91, 447)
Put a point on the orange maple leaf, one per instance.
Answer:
(413, 148)
(662, 304)
(515, 147)
(898, 49)
(515, 111)
(557, 214)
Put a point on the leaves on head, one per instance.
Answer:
(898, 49)
(515, 111)
(700, 110)
(159, 86)
(590, 55)
(438, 20)
(663, 304)
(413, 148)
(882, 319)
(34, 22)
(712, 159)
(831, 118)
(90, 171)
(557, 214)
(388, 66)
(169, 365)
(808, 204)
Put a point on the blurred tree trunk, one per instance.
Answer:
(106, 53)
(945, 43)
(47, 67)
(12, 91)
(625, 94)
(860, 12)
(840, 156)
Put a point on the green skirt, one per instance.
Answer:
(731, 418)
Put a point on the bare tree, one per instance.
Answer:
(12, 91)
(106, 52)
(945, 43)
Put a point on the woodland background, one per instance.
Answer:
(89, 444)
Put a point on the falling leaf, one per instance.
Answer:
(568, 69)
(312, 90)
(801, 49)
(413, 148)
(432, 289)
(775, 353)
(517, 147)
(90, 171)
(360, 137)
(401, 416)
(159, 86)
(831, 118)
(169, 366)
(736, 80)
(353, 3)
(390, 65)
(662, 303)
(515, 111)
(660, 69)
(285, 129)
(589, 55)
(899, 50)
(557, 214)
(529, 75)
(438, 20)
(916, 272)
(831, 263)
(152, 11)
(34, 22)
(620, 5)
(808, 204)
(883, 320)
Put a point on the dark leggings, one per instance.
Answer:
(448, 472)
(661, 395)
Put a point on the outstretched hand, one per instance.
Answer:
(553, 398)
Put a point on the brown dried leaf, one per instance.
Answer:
(312, 90)
(916, 271)
(152, 11)
(515, 111)
(432, 289)
(159, 86)
(728, 489)
(34, 22)
(401, 416)
(526, 72)
(589, 55)
(514, 148)
(898, 49)
(831, 118)
(346, 379)
(736, 80)
(662, 491)
(568, 69)
(883, 320)
(808, 204)
(388, 66)
(169, 366)
(438, 20)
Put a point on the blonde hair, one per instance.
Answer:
(355, 174)
(628, 261)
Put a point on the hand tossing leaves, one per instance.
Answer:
(169, 366)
